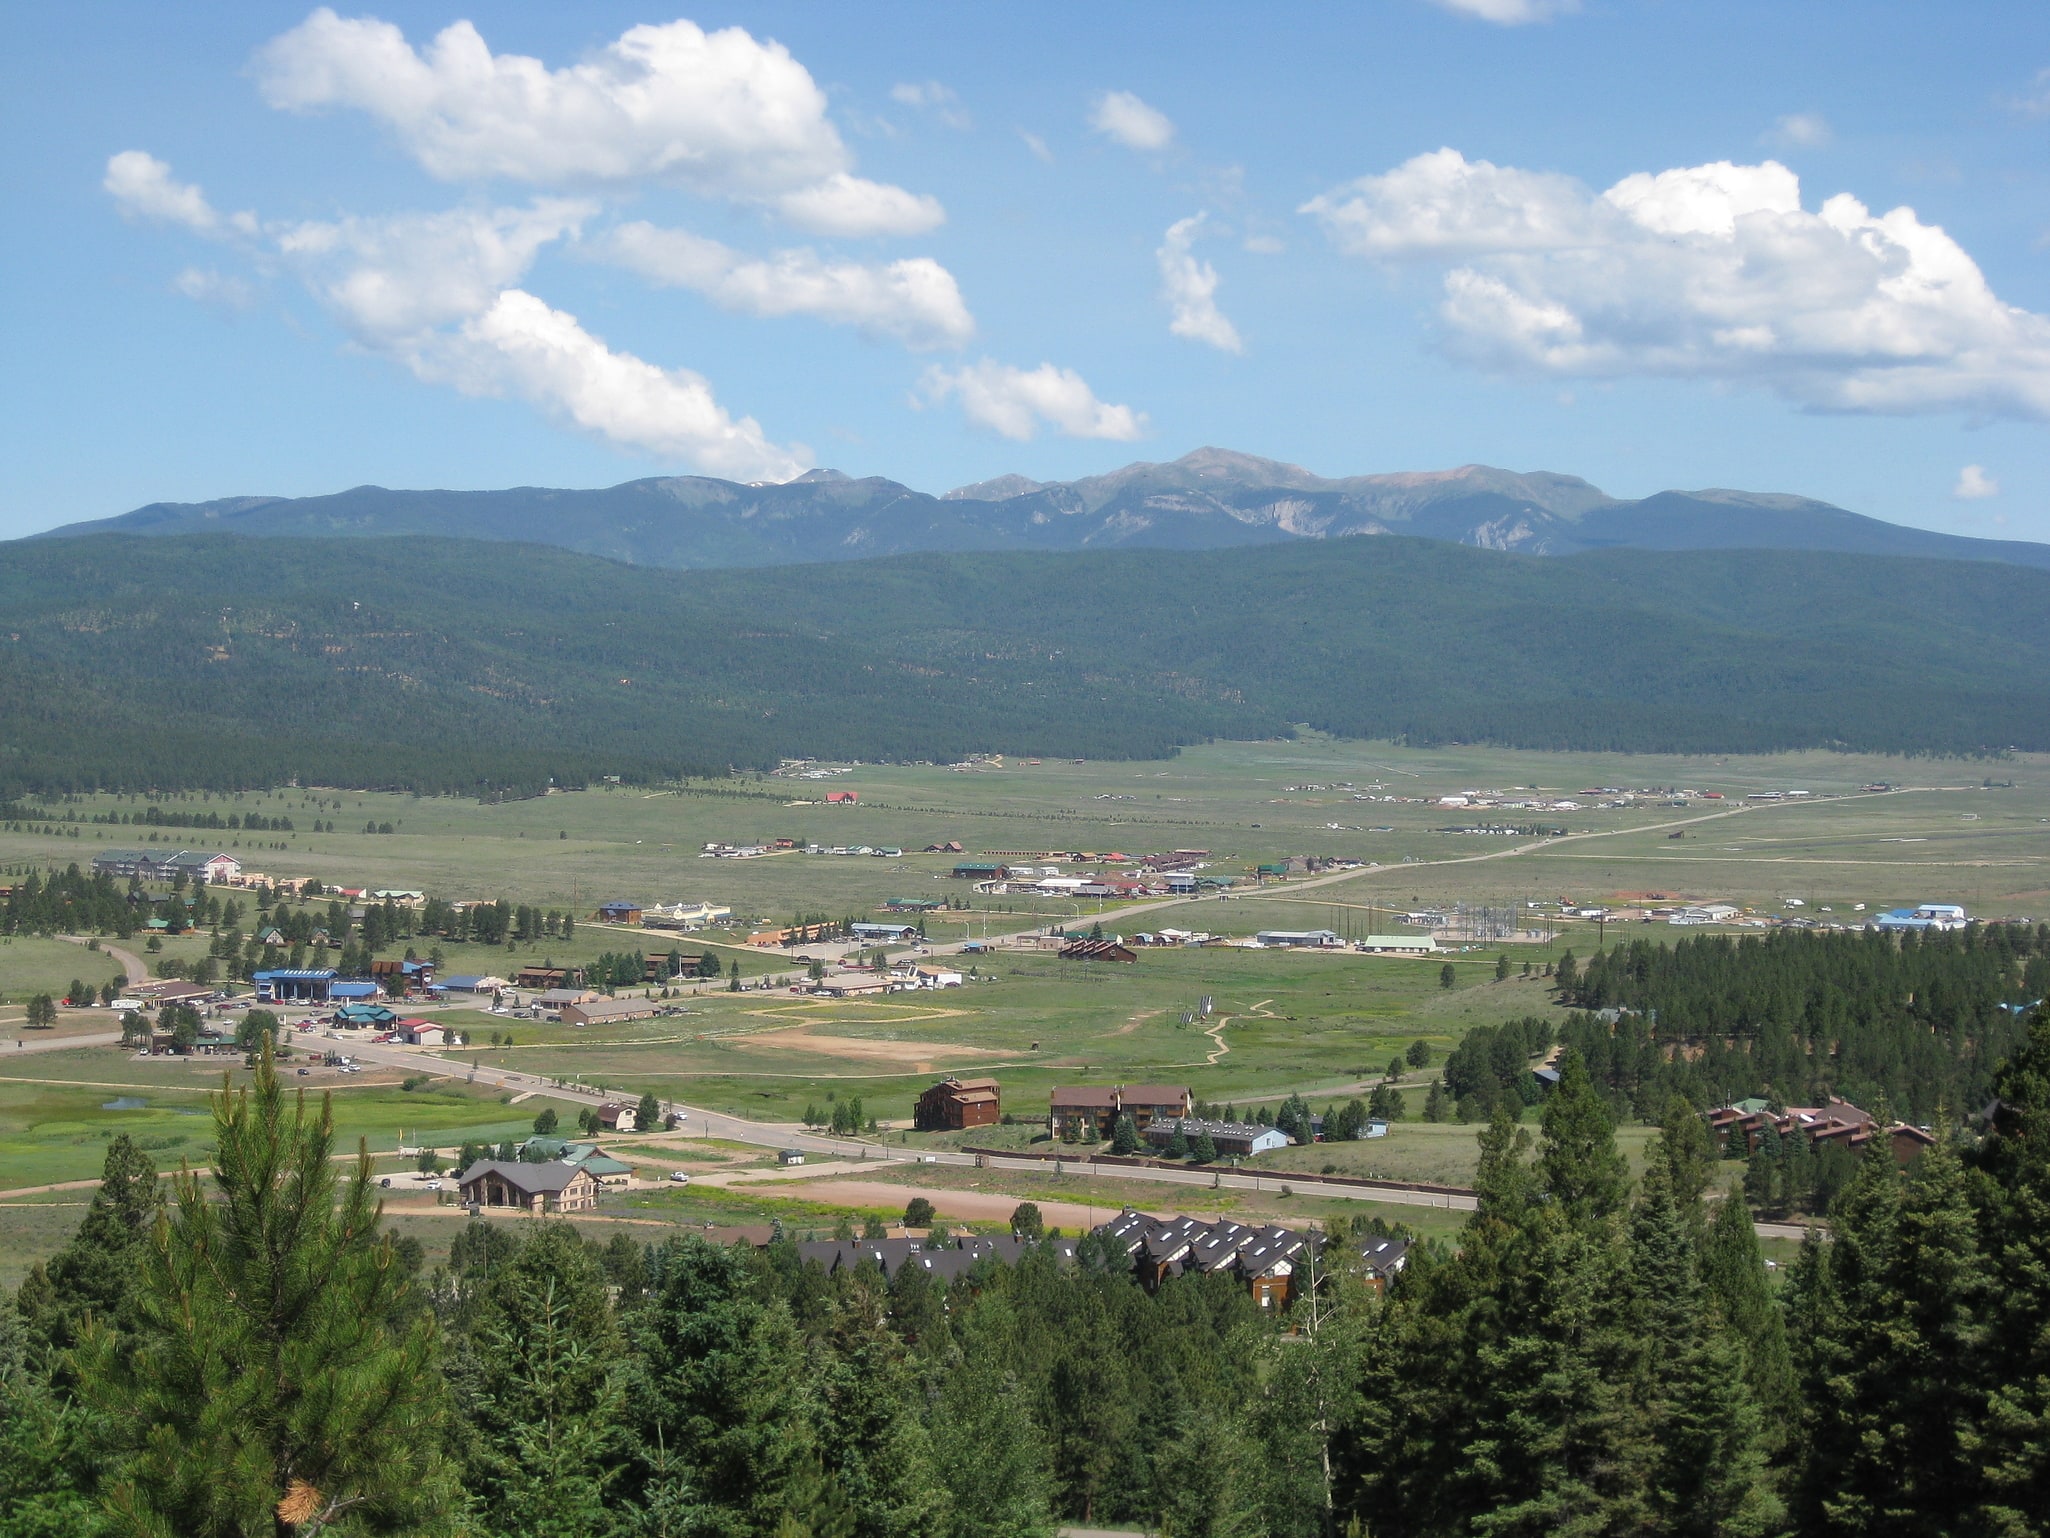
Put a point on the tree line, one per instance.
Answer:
(1917, 1021)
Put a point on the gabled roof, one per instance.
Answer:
(550, 1179)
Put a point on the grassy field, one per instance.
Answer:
(1324, 1025)
(1245, 802)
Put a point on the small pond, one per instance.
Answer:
(124, 1103)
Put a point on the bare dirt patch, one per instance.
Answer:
(920, 1056)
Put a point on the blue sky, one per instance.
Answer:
(268, 249)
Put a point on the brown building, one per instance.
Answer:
(1837, 1121)
(536, 1188)
(953, 1105)
(1094, 1110)
(549, 977)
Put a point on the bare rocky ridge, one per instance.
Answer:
(1209, 499)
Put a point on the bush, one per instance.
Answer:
(919, 1213)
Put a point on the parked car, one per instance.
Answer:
(679, 1177)
(304, 1072)
(434, 1185)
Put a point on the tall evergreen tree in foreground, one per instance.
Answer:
(276, 1379)
(93, 1277)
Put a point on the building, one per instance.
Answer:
(619, 913)
(617, 1116)
(610, 1011)
(936, 977)
(1232, 1139)
(1935, 916)
(213, 869)
(842, 797)
(549, 977)
(537, 1188)
(977, 870)
(684, 916)
(1092, 1111)
(1264, 1259)
(790, 1156)
(953, 1105)
(294, 985)
(1836, 1122)
(610, 1173)
(555, 999)
(479, 983)
(892, 934)
(1399, 945)
(421, 1033)
(852, 985)
(356, 1017)
(1299, 939)
(1097, 950)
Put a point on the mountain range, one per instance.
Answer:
(1207, 500)
(205, 660)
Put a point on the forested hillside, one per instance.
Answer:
(1594, 1356)
(214, 661)
(1918, 1023)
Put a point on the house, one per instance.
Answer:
(617, 1116)
(537, 1188)
(852, 985)
(477, 983)
(1299, 939)
(1399, 945)
(657, 967)
(1097, 950)
(619, 913)
(937, 977)
(914, 905)
(953, 1105)
(1232, 1139)
(1093, 1111)
(294, 985)
(790, 1156)
(421, 1033)
(1380, 1260)
(889, 934)
(413, 974)
(610, 1011)
(555, 999)
(609, 1172)
(1265, 1259)
(549, 977)
(1836, 1122)
(842, 797)
(1181, 883)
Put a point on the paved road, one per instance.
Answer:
(131, 964)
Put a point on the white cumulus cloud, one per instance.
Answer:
(522, 348)
(217, 290)
(1708, 271)
(915, 301)
(144, 187)
(1974, 484)
(392, 278)
(1124, 117)
(1189, 284)
(1015, 401)
(720, 113)
(1511, 13)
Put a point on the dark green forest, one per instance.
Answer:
(1914, 1022)
(252, 1353)
(211, 661)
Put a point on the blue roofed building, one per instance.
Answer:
(295, 985)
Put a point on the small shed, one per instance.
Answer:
(790, 1156)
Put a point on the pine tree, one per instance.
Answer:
(1890, 1321)
(94, 1276)
(2012, 1194)
(1733, 1272)
(870, 1437)
(276, 1372)
(1206, 1479)
(648, 1114)
(1124, 1135)
(1577, 1159)
(539, 1391)
(989, 1451)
